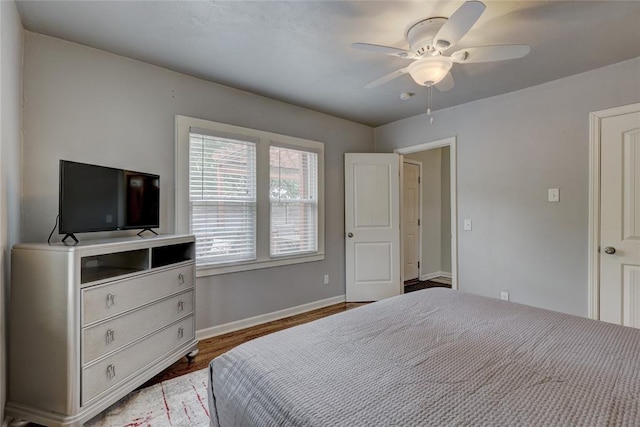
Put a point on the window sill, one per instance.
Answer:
(213, 270)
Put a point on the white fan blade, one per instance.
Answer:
(458, 24)
(490, 53)
(386, 50)
(446, 83)
(388, 77)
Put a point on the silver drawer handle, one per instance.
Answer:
(110, 336)
(111, 372)
(181, 279)
(180, 306)
(111, 300)
(180, 333)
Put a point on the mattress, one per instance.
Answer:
(433, 357)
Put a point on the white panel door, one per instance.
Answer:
(411, 219)
(372, 226)
(620, 220)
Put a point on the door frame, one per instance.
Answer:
(451, 143)
(419, 164)
(593, 260)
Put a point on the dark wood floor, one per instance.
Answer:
(213, 347)
(416, 285)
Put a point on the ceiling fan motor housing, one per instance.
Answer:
(421, 35)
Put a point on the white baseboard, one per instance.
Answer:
(268, 317)
(430, 276)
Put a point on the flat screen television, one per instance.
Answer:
(100, 198)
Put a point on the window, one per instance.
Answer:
(253, 199)
(294, 201)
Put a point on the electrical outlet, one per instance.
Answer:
(504, 295)
(326, 279)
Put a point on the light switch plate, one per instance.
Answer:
(467, 225)
(554, 194)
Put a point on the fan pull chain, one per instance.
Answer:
(429, 101)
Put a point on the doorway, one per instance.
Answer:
(437, 235)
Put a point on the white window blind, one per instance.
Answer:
(222, 197)
(294, 201)
(254, 199)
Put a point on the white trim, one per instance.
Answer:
(213, 270)
(593, 256)
(214, 331)
(429, 276)
(451, 142)
(426, 146)
(11, 422)
(401, 216)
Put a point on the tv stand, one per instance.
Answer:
(103, 316)
(146, 229)
(70, 235)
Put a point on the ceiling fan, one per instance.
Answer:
(430, 38)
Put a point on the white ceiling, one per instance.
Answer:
(299, 51)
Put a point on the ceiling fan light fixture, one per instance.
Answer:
(430, 71)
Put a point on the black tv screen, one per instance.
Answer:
(100, 198)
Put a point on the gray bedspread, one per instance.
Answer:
(433, 357)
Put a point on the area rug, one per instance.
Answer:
(178, 402)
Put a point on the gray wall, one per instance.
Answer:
(10, 140)
(510, 149)
(88, 105)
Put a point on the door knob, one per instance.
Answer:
(609, 250)
(350, 234)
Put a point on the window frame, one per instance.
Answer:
(264, 140)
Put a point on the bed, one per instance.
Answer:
(432, 357)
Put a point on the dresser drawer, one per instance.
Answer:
(116, 333)
(112, 370)
(103, 301)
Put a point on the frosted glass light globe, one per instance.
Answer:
(430, 71)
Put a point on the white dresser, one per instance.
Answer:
(93, 321)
